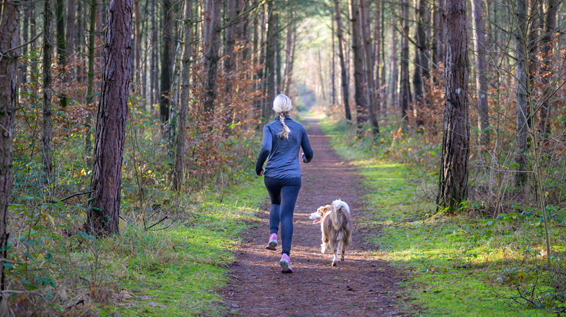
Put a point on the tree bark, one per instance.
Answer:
(211, 57)
(481, 79)
(269, 60)
(332, 64)
(453, 176)
(373, 106)
(405, 95)
(438, 42)
(522, 93)
(47, 90)
(547, 57)
(343, 72)
(166, 62)
(104, 202)
(359, 78)
(178, 174)
(231, 36)
(71, 30)
(9, 40)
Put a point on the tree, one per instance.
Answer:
(405, 94)
(166, 62)
(547, 57)
(90, 79)
(211, 57)
(421, 60)
(9, 41)
(344, 73)
(453, 176)
(104, 203)
(481, 78)
(61, 56)
(521, 93)
(359, 78)
(373, 102)
(394, 64)
(47, 90)
(185, 86)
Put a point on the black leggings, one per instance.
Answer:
(283, 193)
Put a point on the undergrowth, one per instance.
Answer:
(467, 264)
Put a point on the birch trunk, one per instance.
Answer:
(481, 79)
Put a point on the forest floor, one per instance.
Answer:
(363, 285)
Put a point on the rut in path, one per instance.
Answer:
(360, 286)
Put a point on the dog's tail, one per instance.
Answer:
(338, 206)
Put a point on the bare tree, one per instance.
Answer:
(394, 64)
(9, 41)
(481, 79)
(453, 176)
(547, 56)
(61, 53)
(104, 203)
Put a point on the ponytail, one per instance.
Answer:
(285, 130)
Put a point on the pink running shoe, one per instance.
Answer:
(272, 242)
(285, 263)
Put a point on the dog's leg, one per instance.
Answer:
(343, 251)
(323, 247)
(335, 255)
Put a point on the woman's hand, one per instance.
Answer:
(304, 158)
(261, 173)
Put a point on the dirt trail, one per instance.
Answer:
(360, 286)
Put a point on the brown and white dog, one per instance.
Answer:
(336, 227)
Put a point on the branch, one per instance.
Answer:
(69, 197)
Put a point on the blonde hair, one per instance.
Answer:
(282, 105)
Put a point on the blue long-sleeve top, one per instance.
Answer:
(283, 153)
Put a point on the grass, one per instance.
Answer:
(177, 272)
(458, 265)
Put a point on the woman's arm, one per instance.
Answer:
(265, 150)
(307, 149)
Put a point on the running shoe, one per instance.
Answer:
(272, 242)
(285, 263)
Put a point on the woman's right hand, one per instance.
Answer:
(261, 173)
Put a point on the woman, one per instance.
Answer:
(282, 140)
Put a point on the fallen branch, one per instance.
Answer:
(69, 197)
(155, 224)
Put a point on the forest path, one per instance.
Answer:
(360, 286)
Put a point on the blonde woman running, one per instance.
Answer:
(282, 140)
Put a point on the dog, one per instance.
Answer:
(336, 227)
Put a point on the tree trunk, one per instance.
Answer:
(90, 80)
(153, 64)
(277, 40)
(421, 64)
(344, 71)
(25, 38)
(184, 102)
(166, 62)
(522, 93)
(211, 58)
(359, 96)
(137, 49)
(269, 60)
(71, 32)
(61, 56)
(9, 39)
(547, 57)
(231, 36)
(373, 106)
(439, 22)
(291, 61)
(453, 176)
(332, 64)
(47, 90)
(288, 48)
(481, 79)
(104, 202)
(405, 94)
(394, 64)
